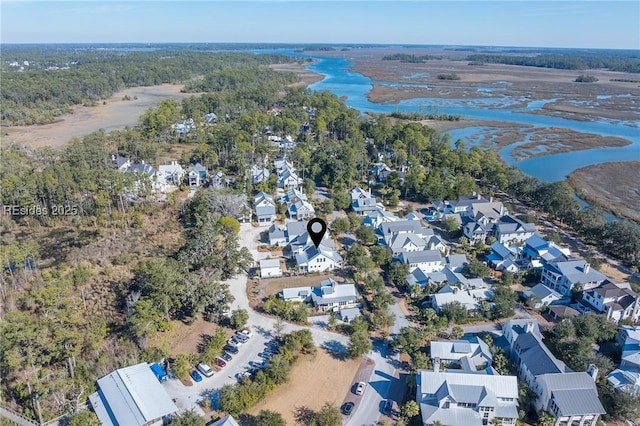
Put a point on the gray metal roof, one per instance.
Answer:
(225, 421)
(324, 295)
(134, 396)
(422, 256)
(536, 356)
(572, 402)
(270, 263)
(266, 211)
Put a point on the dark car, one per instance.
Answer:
(196, 376)
(347, 408)
(231, 349)
(226, 356)
(220, 362)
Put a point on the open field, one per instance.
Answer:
(612, 186)
(313, 381)
(306, 77)
(114, 113)
(183, 338)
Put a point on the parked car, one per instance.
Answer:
(226, 356)
(236, 341)
(241, 337)
(266, 354)
(247, 332)
(347, 408)
(231, 349)
(196, 376)
(221, 362)
(205, 369)
(360, 388)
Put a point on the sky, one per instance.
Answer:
(559, 23)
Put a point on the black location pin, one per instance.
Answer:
(316, 228)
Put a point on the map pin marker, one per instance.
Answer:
(316, 228)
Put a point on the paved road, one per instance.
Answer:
(384, 381)
(187, 397)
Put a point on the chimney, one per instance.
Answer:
(529, 327)
(586, 268)
(436, 364)
(593, 371)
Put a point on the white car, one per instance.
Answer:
(205, 369)
(360, 388)
(247, 333)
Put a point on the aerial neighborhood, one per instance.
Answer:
(270, 256)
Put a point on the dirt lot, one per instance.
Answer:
(613, 186)
(312, 383)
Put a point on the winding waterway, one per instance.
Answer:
(353, 87)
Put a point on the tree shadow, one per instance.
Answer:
(336, 349)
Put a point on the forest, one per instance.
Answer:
(625, 61)
(86, 292)
(56, 80)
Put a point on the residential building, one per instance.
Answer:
(560, 312)
(540, 295)
(451, 398)
(616, 301)
(452, 351)
(264, 207)
(225, 421)
(318, 259)
(120, 163)
(147, 179)
(374, 219)
(197, 175)
(329, 296)
(626, 378)
(540, 251)
(511, 229)
(333, 297)
(289, 179)
(562, 276)
(362, 202)
(270, 268)
(469, 298)
(131, 396)
(277, 236)
(571, 397)
(297, 205)
(259, 174)
(172, 173)
(427, 260)
(505, 258)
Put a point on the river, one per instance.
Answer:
(353, 88)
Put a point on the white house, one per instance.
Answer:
(289, 179)
(427, 260)
(562, 276)
(171, 173)
(512, 229)
(452, 398)
(469, 298)
(331, 296)
(265, 208)
(259, 174)
(318, 259)
(454, 350)
(616, 301)
(197, 175)
(542, 295)
(270, 268)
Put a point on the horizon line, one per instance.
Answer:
(318, 43)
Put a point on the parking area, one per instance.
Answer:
(187, 397)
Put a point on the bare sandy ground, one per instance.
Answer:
(115, 113)
(312, 383)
